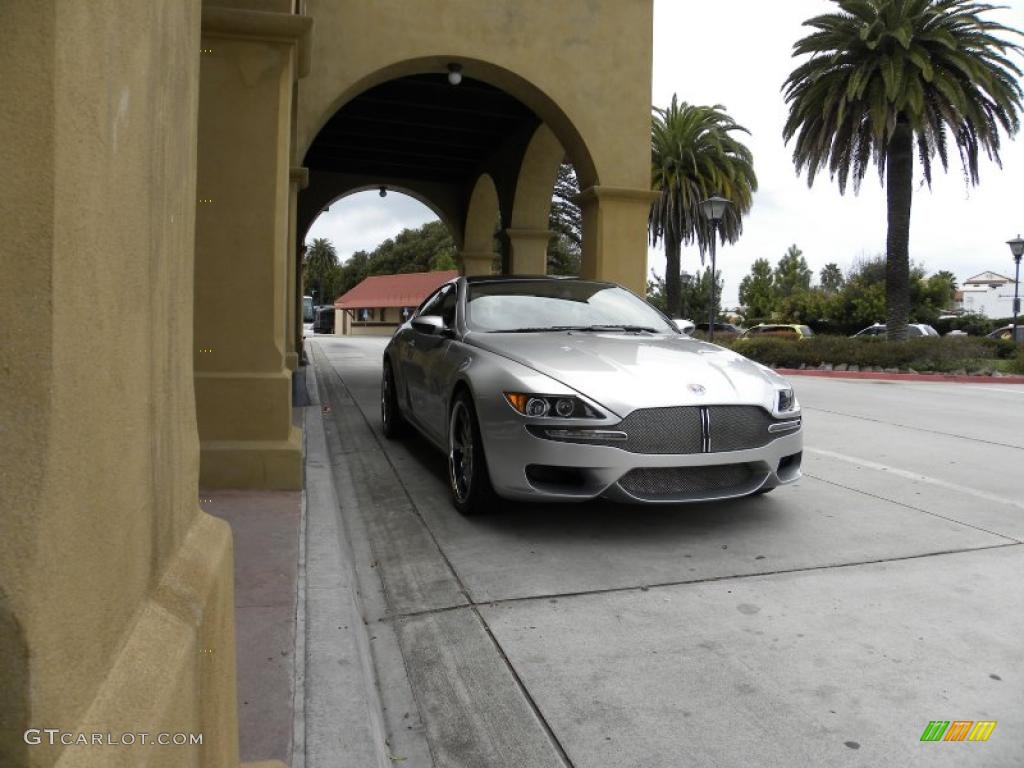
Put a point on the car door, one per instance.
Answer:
(420, 354)
(438, 370)
(411, 374)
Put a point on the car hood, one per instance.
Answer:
(627, 371)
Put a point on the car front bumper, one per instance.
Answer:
(526, 467)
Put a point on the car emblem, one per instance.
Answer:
(697, 389)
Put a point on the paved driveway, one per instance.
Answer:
(824, 624)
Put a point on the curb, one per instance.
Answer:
(343, 721)
(946, 378)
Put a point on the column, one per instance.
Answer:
(298, 178)
(615, 235)
(529, 250)
(243, 386)
(477, 262)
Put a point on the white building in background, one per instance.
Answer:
(989, 294)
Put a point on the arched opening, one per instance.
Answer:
(482, 252)
(478, 78)
(409, 200)
(484, 154)
(365, 257)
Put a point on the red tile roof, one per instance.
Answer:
(405, 290)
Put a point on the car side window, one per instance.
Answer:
(446, 307)
(428, 307)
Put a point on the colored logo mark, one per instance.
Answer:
(958, 730)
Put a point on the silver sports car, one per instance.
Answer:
(555, 389)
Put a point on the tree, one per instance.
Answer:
(809, 306)
(886, 75)
(831, 278)
(427, 248)
(932, 296)
(757, 290)
(695, 295)
(566, 221)
(694, 156)
(443, 261)
(656, 290)
(949, 277)
(319, 268)
(792, 273)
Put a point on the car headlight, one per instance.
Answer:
(786, 401)
(551, 406)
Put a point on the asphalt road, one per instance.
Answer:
(824, 624)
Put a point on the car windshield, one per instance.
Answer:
(528, 306)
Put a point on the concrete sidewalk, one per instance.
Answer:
(307, 689)
(265, 527)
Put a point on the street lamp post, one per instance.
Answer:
(714, 209)
(1017, 249)
(684, 280)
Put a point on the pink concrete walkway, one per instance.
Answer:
(265, 525)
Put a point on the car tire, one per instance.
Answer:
(392, 422)
(469, 481)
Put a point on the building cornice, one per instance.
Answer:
(284, 28)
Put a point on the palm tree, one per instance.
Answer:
(694, 156)
(886, 75)
(319, 266)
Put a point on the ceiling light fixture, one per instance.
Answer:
(383, 192)
(454, 73)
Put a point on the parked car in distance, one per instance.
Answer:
(878, 330)
(324, 322)
(686, 326)
(721, 328)
(784, 331)
(1006, 332)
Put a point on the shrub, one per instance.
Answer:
(921, 354)
(1018, 362)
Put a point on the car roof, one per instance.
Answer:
(517, 278)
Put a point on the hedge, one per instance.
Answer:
(950, 354)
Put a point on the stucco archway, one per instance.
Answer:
(529, 94)
(483, 214)
(529, 234)
(322, 198)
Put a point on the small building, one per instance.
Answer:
(380, 303)
(989, 294)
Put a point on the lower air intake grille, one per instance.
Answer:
(693, 482)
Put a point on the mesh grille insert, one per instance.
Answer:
(739, 427)
(690, 482)
(662, 430)
(677, 430)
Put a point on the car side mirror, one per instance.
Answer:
(431, 325)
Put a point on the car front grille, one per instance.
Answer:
(682, 430)
(738, 427)
(693, 429)
(668, 483)
(662, 430)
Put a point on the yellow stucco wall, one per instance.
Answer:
(574, 64)
(112, 579)
(116, 608)
(242, 250)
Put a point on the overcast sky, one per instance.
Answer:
(737, 53)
